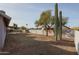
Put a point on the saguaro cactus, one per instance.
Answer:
(60, 26)
(56, 21)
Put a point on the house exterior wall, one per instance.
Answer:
(76, 40)
(2, 32)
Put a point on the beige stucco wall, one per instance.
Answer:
(2, 32)
(76, 40)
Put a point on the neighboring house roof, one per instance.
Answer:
(6, 17)
(63, 27)
(66, 27)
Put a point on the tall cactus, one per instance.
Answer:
(60, 27)
(56, 21)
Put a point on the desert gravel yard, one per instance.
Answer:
(32, 44)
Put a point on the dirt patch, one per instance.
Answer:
(32, 44)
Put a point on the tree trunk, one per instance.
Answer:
(46, 32)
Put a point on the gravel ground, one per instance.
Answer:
(32, 44)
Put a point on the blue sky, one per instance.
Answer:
(23, 14)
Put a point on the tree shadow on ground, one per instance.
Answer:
(22, 44)
(62, 43)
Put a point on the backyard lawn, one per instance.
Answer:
(33, 44)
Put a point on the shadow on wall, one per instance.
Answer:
(27, 45)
